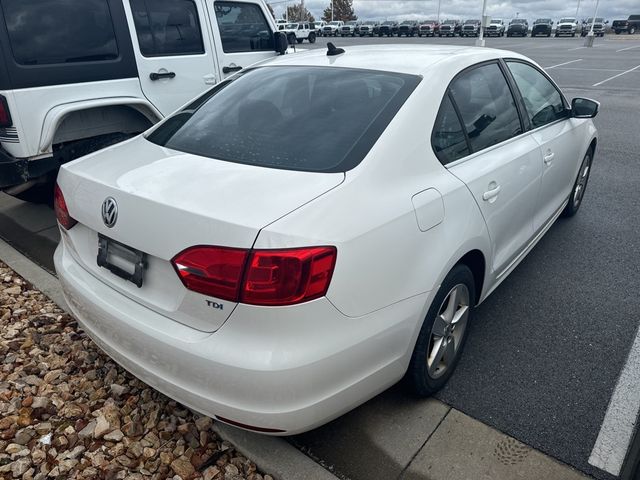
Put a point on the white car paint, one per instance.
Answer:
(399, 220)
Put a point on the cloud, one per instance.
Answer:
(463, 9)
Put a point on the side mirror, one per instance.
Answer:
(606, 22)
(281, 42)
(584, 108)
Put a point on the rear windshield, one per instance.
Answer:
(316, 119)
(45, 32)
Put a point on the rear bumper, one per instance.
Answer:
(16, 171)
(289, 369)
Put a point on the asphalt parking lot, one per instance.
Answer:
(545, 353)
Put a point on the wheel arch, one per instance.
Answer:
(475, 261)
(59, 121)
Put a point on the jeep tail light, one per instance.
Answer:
(213, 271)
(5, 115)
(257, 277)
(60, 207)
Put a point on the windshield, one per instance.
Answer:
(388, 23)
(369, 23)
(469, 22)
(568, 20)
(518, 20)
(590, 20)
(334, 23)
(352, 23)
(449, 22)
(263, 117)
(496, 21)
(543, 20)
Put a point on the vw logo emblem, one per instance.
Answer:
(109, 212)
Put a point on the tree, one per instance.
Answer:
(273, 14)
(299, 13)
(342, 10)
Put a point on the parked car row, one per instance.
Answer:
(517, 27)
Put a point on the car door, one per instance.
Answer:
(502, 169)
(555, 132)
(175, 58)
(242, 33)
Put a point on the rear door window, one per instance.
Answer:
(486, 105)
(167, 27)
(45, 32)
(317, 119)
(448, 139)
(243, 27)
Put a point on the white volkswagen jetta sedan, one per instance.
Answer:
(274, 269)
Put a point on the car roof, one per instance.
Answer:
(410, 59)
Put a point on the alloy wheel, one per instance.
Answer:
(581, 184)
(447, 331)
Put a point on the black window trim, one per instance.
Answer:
(163, 55)
(516, 98)
(566, 104)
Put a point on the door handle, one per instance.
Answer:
(548, 158)
(231, 69)
(491, 194)
(157, 76)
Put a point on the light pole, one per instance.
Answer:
(588, 41)
(577, 9)
(332, 10)
(480, 41)
(439, 12)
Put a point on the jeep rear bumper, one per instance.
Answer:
(16, 171)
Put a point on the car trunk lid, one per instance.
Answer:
(168, 201)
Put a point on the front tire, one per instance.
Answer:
(579, 187)
(632, 30)
(443, 333)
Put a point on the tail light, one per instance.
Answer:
(257, 277)
(5, 114)
(60, 207)
(214, 271)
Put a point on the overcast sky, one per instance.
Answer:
(463, 9)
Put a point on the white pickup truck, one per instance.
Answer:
(110, 70)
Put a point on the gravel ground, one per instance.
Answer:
(67, 411)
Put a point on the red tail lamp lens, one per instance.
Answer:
(257, 277)
(60, 207)
(5, 115)
(285, 277)
(213, 271)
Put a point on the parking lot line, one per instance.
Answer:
(616, 76)
(579, 48)
(561, 64)
(628, 48)
(616, 432)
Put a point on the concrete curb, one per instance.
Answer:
(271, 454)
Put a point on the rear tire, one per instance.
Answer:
(312, 38)
(579, 186)
(443, 333)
